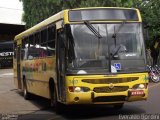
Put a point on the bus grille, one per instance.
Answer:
(110, 80)
(110, 90)
(109, 99)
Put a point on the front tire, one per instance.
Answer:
(58, 107)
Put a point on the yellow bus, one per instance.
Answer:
(83, 56)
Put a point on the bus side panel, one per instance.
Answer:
(37, 74)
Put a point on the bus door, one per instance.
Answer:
(19, 66)
(60, 54)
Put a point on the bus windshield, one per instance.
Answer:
(121, 47)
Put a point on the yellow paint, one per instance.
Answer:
(85, 97)
(38, 76)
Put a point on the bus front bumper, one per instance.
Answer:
(92, 97)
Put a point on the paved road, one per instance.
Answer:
(12, 104)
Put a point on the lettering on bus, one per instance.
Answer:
(37, 66)
(6, 54)
(73, 81)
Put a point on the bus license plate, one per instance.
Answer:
(137, 93)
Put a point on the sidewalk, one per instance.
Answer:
(2, 71)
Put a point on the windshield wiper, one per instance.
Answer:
(115, 36)
(91, 27)
(115, 32)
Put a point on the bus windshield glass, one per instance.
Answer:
(121, 47)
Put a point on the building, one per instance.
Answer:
(10, 25)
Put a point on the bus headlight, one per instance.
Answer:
(140, 86)
(78, 89)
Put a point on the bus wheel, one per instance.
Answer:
(26, 94)
(118, 106)
(58, 107)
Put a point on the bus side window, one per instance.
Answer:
(24, 49)
(31, 47)
(43, 36)
(51, 40)
(43, 44)
(37, 38)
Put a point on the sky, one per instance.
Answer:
(11, 11)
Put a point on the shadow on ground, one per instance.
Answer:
(77, 112)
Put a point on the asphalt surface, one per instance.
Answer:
(14, 107)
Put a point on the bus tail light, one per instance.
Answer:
(78, 89)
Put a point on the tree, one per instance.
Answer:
(150, 15)
(37, 10)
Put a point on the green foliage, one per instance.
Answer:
(95, 3)
(150, 10)
(37, 10)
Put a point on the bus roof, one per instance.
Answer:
(103, 7)
(57, 17)
(41, 25)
